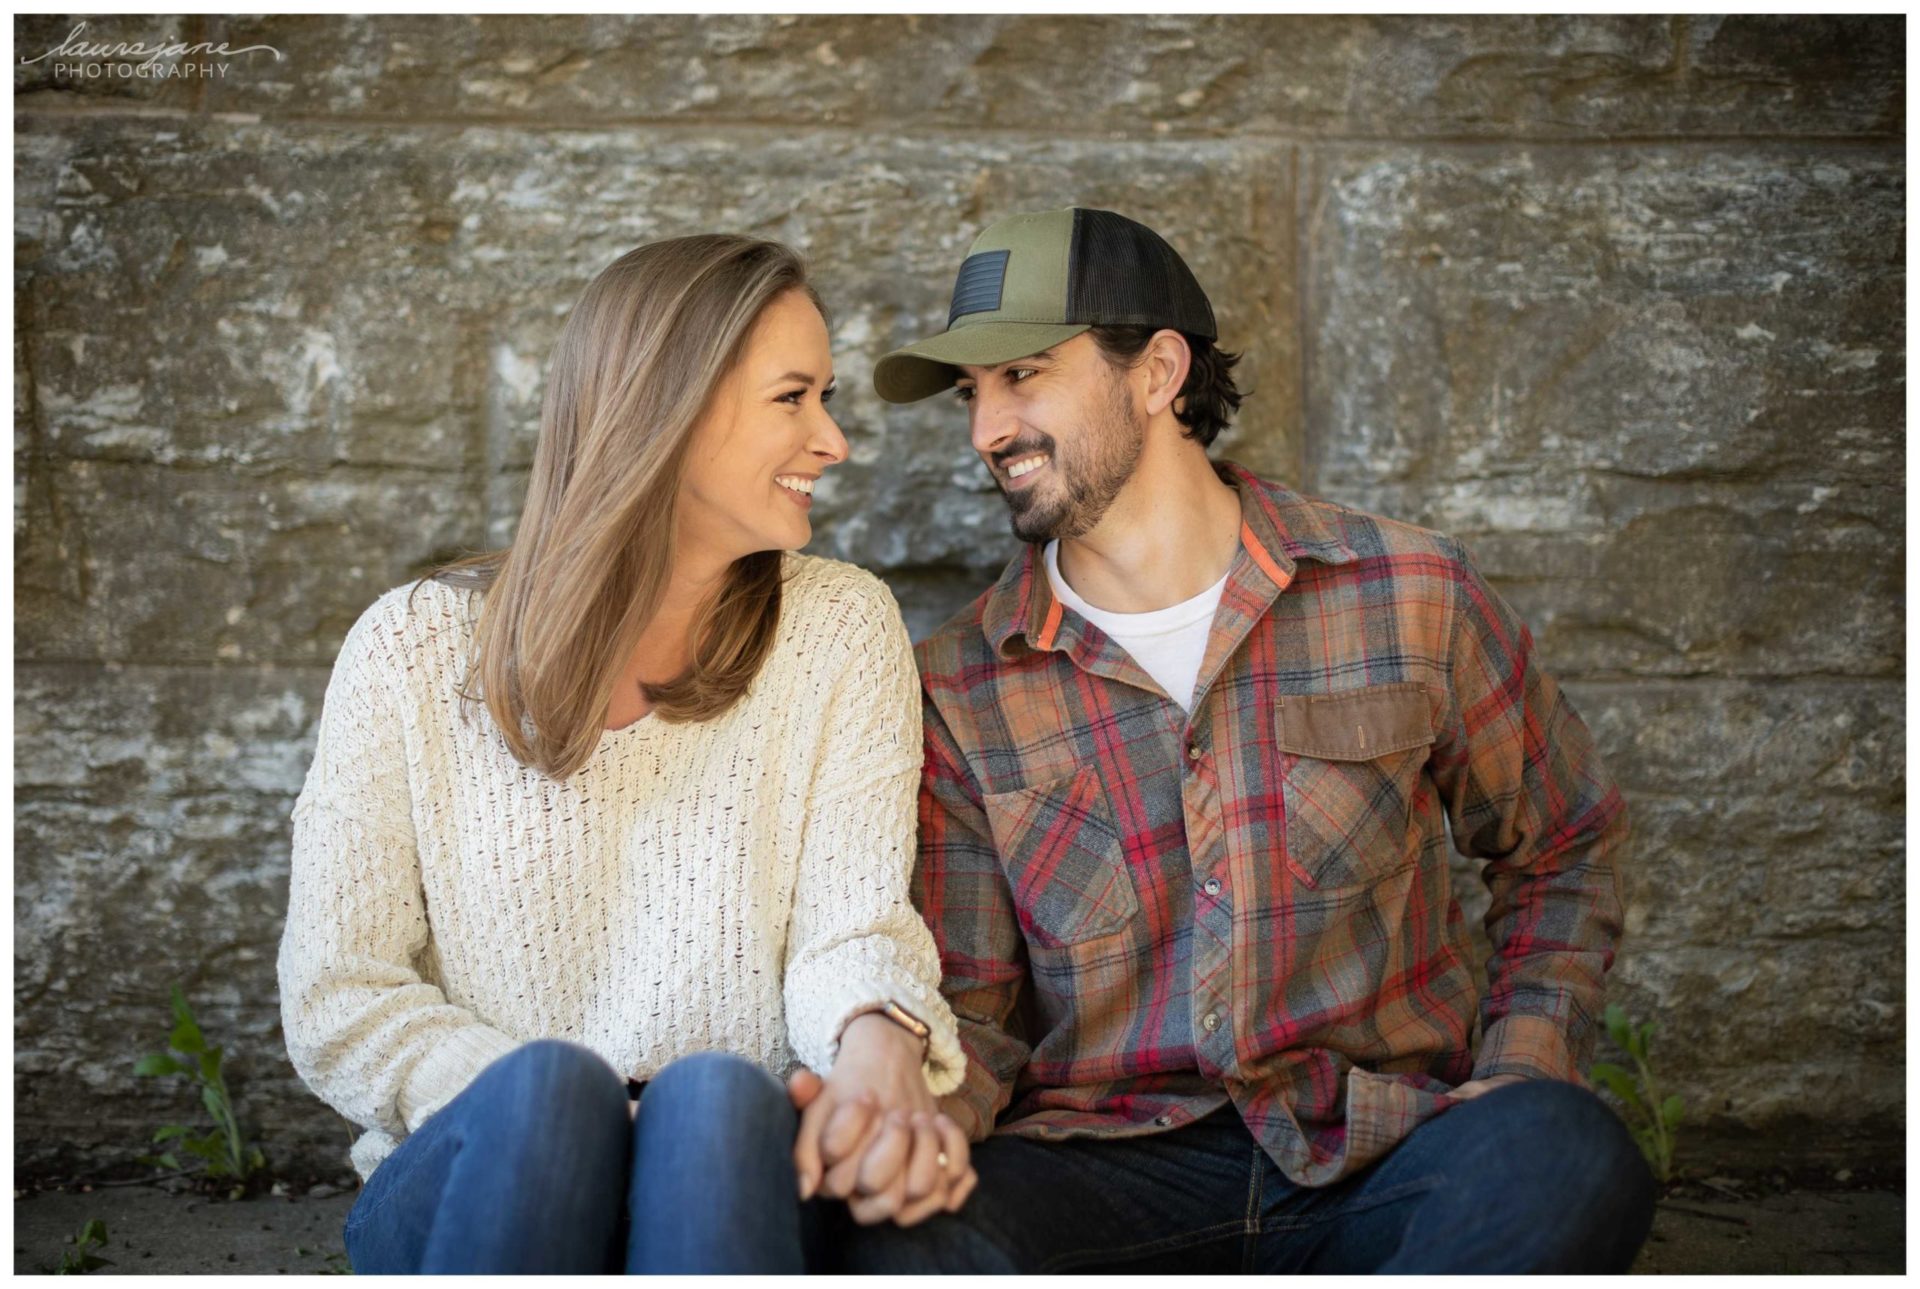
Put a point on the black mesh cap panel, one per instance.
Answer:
(1123, 273)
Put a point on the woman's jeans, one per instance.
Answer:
(1528, 1177)
(536, 1167)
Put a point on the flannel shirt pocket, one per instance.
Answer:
(1350, 765)
(1064, 859)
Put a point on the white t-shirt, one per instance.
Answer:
(1168, 643)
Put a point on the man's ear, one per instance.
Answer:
(1166, 361)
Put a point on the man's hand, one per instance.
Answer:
(872, 1134)
(1468, 1091)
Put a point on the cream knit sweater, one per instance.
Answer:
(736, 884)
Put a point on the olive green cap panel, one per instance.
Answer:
(924, 368)
(1034, 288)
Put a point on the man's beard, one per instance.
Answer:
(1107, 455)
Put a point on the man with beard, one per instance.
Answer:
(1190, 770)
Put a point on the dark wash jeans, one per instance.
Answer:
(535, 1167)
(1538, 1176)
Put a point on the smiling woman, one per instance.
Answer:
(501, 916)
(645, 574)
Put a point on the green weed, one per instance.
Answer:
(79, 1259)
(225, 1153)
(1653, 1119)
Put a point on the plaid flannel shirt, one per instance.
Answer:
(1143, 914)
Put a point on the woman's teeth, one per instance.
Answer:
(1026, 467)
(795, 482)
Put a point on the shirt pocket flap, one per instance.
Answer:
(1358, 725)
(1350, 765)
(1064, 859)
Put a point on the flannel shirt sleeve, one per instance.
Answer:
(962, 893)
(1525, 790)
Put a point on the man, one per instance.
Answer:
(1190, 769)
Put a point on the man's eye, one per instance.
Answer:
(1020, 372)
(963, 392)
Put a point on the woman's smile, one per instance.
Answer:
(798, 488)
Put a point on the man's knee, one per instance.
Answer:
(1592, 1175)
(1585, 1141)
(1583, 1121)
(942, 1244)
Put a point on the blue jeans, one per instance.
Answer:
(535, 1167)
(1538, 1176)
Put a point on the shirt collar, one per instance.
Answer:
(1279, 528)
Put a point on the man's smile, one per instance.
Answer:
(1022, 468)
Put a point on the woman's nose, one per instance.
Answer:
(829, 444)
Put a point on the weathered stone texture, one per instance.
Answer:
(1489, 77)
(1616, 300)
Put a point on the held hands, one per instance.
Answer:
(872, 1134)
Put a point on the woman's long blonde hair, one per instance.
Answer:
(636, 365)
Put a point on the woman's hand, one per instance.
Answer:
(872, 1133)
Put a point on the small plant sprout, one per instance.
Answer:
(1653, 1119)
(78, 1258)
(224, 1152)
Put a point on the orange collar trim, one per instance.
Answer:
(1260, 556)
(1052, 625)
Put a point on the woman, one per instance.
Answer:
(629, 806)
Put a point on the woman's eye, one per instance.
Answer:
(826, 395)
(793, 397)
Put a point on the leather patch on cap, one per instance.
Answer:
(977, 289)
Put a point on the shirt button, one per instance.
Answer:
(1211, 1021)
(1165, 1120)
(1193, 751)
(1213, 886)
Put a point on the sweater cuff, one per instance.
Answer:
(448, 1068)
(845, 1000)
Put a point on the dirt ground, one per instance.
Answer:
(1759, 1224)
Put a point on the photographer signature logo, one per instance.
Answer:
(77, 58)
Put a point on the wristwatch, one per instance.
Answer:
(907, 1020)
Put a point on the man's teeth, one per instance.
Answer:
(1026, 467)
(794, 482)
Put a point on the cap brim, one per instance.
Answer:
(923, 369)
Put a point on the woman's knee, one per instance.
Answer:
(719, 1080)
(564, 1078)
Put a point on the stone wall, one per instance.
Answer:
(1617, 300)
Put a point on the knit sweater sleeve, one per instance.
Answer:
(364, 1031)
(855, 941)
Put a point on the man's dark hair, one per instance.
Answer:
(1210, 394)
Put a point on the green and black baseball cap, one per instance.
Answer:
(1032, 281)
